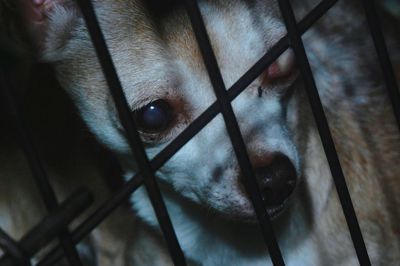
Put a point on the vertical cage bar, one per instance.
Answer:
(38, 172)
(325, 134)
(383, 56)
(233, 130)
(133, 136)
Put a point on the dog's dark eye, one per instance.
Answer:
(154, 117)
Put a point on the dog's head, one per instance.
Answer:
(167, 86)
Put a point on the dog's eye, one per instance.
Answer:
(154, 117)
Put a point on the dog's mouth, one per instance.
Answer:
(278, 181)
(274, 208)
(275, 211)
(276, 202)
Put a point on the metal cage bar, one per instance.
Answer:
(108, 206)
(45, 232)
(132, 134)
(38, 172)
(383, 56)
(232, 126)
(94, 220)
(12, 248)
(324, 132)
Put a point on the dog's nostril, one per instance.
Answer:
(277, 180)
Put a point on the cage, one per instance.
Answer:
(56, 225)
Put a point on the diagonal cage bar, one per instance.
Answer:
(233, 129)
(324, 132)
(45, 232)
(108, 206)
(90, 223)
(383, 56)
(39, 174)
(8, 245)
(132, 134)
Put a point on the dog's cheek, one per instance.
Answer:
(229, 199)
(183, 183)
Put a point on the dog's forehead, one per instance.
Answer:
(155, 56)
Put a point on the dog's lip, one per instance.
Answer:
(277, 210)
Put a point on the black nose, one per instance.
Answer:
(277, 180)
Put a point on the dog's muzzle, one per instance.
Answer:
(277, 182)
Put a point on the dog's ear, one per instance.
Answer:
(50, 23)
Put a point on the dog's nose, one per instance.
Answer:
(277, 180)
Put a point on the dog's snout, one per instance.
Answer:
(277, 180)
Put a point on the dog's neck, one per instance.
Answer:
(209, 239)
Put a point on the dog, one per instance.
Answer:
(166, 84)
